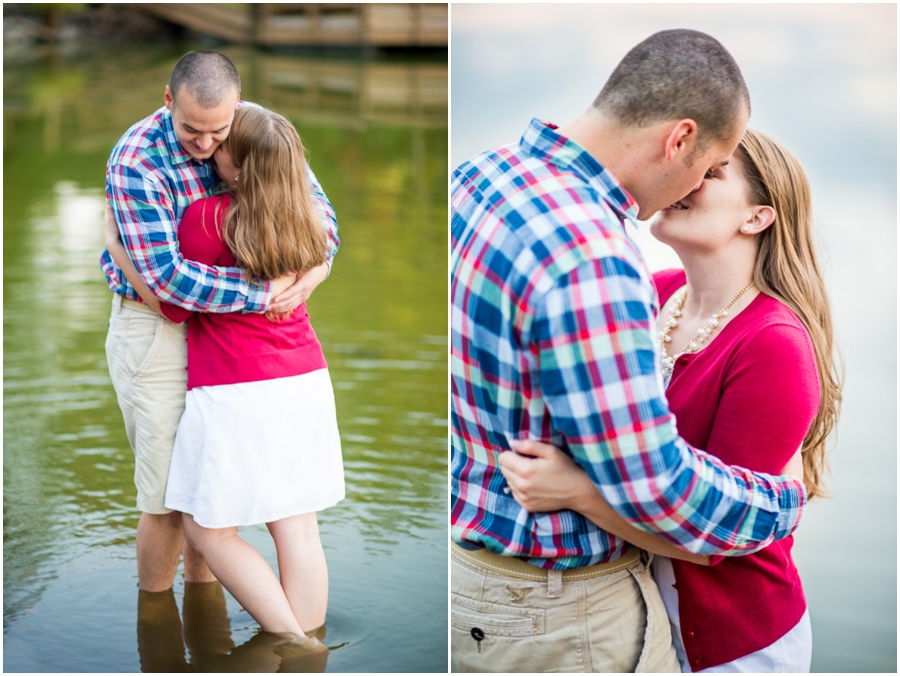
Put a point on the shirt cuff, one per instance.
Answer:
(792, 502)
(258, 297)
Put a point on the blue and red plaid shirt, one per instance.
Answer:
(553, 320)
(150, 181)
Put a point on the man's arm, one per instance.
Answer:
(329, 220)
(594, 332)
(143, 208)
(544, 479)
(120, 257)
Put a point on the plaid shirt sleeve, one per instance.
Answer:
(598, 370)
(329, 219)
(143, 207)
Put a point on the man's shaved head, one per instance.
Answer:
(210, 77)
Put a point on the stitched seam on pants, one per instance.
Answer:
(586, 657)
(155, 346)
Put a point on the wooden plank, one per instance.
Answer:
(230, 22)
(270, 24)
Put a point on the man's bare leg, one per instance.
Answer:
(195, 568)
(159, 538)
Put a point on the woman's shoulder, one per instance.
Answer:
(772, 312)
(776, 331)
(206, 206)
(668, 282)
(200, 230)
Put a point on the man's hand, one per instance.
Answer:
(297, 292)
(111, 235)
(543, 478)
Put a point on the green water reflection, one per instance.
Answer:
(378, 141)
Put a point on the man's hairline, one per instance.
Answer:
(174, 95)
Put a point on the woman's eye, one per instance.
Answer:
(711, 173)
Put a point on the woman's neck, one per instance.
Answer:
(714, 278)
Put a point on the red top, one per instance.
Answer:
(748, 398)
(236, 348)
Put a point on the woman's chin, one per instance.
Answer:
(657, 228)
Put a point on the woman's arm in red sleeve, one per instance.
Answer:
(770, 398)
(199, 240)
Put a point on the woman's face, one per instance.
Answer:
(225, 167)
(711, 216)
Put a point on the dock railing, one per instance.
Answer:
(315, 24)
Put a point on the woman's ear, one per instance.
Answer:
(760, 219)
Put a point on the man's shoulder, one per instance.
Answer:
(555, 213)
(145, 144)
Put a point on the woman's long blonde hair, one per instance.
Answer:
(272, 225)
(786, 269)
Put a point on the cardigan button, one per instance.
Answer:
(689, 634)
(697, 661)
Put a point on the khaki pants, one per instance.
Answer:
(533, 620)
(147, 358)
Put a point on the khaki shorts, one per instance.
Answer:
(147, 357)
(527, 619)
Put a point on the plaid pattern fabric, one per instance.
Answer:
(150, 181)
(552, 338)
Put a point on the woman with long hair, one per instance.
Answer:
(748, 355)
(258, 441)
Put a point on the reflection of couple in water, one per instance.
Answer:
(201, 640)
(217, 232)
(555, 338)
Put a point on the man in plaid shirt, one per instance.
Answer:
(158, 168)
(553, 338)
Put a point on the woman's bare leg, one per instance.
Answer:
(301, 564)
(245, 573)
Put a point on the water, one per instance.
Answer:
(377, 132)
(823, 80)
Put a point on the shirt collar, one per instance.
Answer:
(542, 140)
(177, 153)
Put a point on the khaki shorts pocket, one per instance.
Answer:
(143, 335)
(494, 619)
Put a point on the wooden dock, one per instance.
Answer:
(311, 24)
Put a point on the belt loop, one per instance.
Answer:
(554, 584)
(117, 303)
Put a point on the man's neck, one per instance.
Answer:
(611, 145)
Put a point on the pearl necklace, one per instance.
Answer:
(702, 334)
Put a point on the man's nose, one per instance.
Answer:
(204, 143)
(696, 187)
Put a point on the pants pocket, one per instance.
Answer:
(658, 654)
(143, 335)
(489, 637)
(492, 619)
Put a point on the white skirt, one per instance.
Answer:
(257, 452)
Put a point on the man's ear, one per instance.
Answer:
(167, 97)
(681, 139)
(760, 218)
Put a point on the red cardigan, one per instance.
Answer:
(748, 398)
(232, 347)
